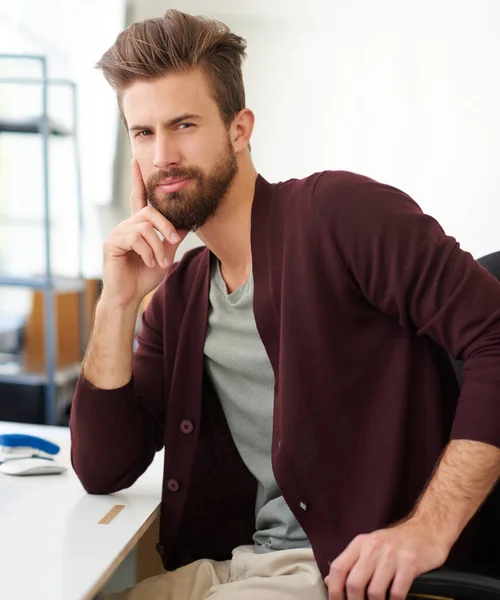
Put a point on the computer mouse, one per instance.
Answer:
(31, 466)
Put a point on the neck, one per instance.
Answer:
(227, 234)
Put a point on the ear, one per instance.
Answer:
(241, 129)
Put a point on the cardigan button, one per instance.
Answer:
(186, 426)
(161, 549)
(173, 485)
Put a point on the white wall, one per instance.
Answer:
(405, 92)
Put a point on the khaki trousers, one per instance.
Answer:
(281, 575)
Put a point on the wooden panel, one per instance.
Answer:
(67, 324)
(92, 293)
(148, 560)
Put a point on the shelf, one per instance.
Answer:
(59, 284)
(12, 371)
(12, 368)
(32, 126)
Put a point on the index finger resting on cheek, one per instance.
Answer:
(138, 198)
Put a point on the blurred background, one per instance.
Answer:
(402, 91)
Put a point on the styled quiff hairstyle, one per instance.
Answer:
(175, 43)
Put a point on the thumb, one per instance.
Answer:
(171, 248)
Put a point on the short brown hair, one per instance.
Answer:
(179, 42)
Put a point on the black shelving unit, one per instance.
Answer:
(11, 370)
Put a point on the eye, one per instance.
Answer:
(185, 125)
(143, 133)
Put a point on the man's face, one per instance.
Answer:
(182, 145)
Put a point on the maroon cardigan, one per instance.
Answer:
(358, 298)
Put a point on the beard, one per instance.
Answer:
(190, 209)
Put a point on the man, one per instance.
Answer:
(295, 369)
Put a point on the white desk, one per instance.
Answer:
(51, 545)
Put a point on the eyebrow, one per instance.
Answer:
(170, 123)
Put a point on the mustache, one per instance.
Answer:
(174, 172)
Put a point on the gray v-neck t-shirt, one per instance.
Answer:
(243, 378)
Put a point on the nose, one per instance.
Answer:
(166, 154)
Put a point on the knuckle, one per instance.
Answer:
(373, 545)
(354, 589)
(353, 586)
(144, 227)
(375, 593)
(337, 569)
(110, 243)
(140, 213)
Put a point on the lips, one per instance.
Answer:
(174, 184)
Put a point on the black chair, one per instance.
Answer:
(462, 585)
(491, 262)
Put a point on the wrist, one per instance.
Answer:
(109, 303)
(118, 316)
(445, 530)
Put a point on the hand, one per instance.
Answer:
(372, 562)
(135, 259)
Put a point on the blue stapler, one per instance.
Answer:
(22, 454)
(27, 445)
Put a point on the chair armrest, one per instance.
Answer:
(457, 584)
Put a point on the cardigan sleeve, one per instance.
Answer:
(115, 433)
(407, 267)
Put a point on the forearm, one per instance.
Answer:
(108, 361)
(385, 562)
(464, 477)
(104, 401)
(108, 399)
